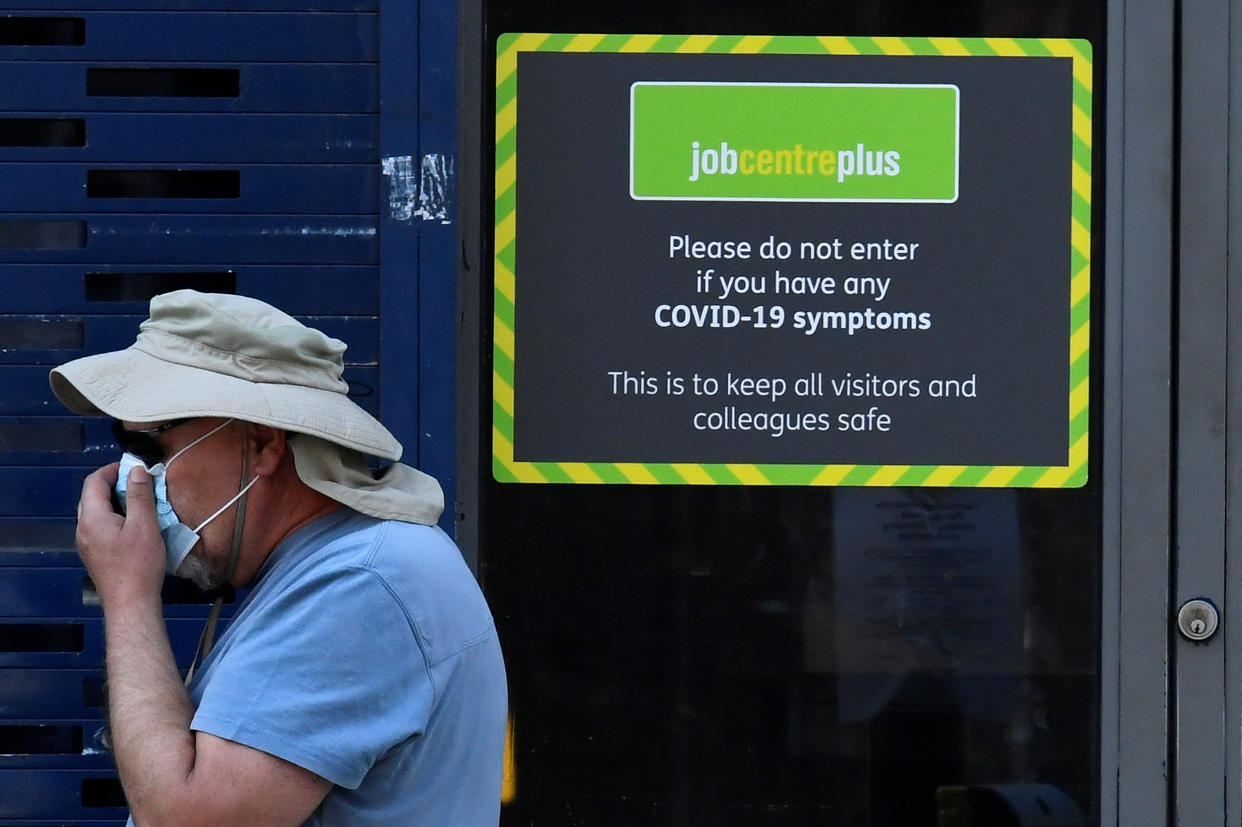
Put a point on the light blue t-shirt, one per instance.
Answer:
(365, 653)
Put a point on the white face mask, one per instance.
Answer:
(178, 537)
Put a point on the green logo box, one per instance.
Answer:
(845, 142)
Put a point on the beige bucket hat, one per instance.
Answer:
(206, 354)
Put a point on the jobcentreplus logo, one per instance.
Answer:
(797, 160)
(761, 141)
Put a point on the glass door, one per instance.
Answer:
(886, 651)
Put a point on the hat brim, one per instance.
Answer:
(133, 385)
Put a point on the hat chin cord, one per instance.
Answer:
(207, 640)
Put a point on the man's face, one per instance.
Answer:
(199, 481)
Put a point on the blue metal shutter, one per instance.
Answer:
(298, 151)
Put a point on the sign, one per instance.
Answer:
(794, 261)
(792, 145)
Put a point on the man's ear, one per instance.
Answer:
(267, 449)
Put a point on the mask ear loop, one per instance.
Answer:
(207, 640)
(169, 461)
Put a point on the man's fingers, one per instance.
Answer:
(139, 495)
(124, 555)
(96, 518)
(141, 523)
(97, 491)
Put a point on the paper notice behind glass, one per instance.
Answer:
(928, 583)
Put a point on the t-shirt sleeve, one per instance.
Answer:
(329, 677)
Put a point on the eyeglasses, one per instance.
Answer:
(142, 443)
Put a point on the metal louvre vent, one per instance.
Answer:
(144, 147)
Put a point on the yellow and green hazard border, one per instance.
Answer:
(506, 469)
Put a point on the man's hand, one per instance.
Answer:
(171, 774)
(123, 554)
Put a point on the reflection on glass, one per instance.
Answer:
(764, 656)
(852, 657)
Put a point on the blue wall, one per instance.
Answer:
(298, 151)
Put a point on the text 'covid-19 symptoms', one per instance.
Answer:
(721, 283)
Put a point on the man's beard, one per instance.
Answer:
(198, 570)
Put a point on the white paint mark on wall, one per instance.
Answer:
(402, 188)
(427, 195)
(324, 230)
(435, 188)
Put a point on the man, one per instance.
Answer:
(361, 681)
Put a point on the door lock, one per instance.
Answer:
(1198, 619)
